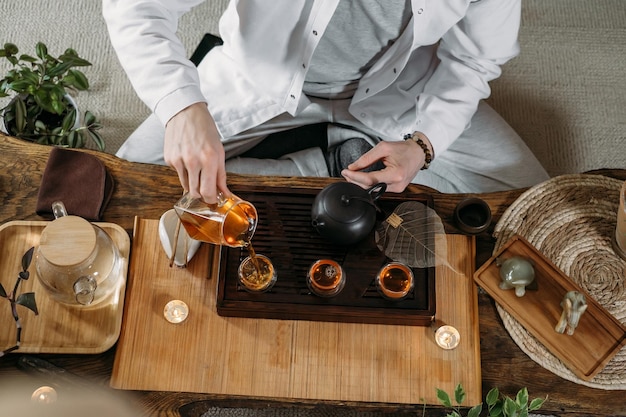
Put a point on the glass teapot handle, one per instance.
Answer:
(58, 209)
(86, 285)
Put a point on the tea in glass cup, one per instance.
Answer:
(394, 281)
(257, 273)
(231, 221)
(325, 278)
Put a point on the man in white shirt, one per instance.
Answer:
(372, 72)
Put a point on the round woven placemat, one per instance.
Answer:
(571, 219)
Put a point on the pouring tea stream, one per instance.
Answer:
(230, 222)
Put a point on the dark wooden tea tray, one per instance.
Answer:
(285, 235)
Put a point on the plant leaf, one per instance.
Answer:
(20, 115)
(42, 50)
(69, 120)
(77, 79)
(72, 139)
(492, 396)
(522, 398)
(27, 258)
(10, 49)
(28, 300)
(510, 408)
(89, 118)
(459, 394)
(496, 410)
(475, 411)
(444, 398)
(413, 235)
(95, 136)
(536, 404)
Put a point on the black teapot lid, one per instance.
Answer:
(345, 202)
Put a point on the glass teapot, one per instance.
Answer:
(77, 262)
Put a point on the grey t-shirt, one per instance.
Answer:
(358, 34)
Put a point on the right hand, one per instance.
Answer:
(193, 147)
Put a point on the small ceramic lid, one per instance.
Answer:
(67, 241)
(346, 203)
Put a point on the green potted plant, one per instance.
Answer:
(498, 405)
(41, 107)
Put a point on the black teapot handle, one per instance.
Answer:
(374, 194)
(377, 191)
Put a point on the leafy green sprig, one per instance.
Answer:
(26, 299)
(497, 404)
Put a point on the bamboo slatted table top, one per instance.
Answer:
(147, 190)
(296, 359)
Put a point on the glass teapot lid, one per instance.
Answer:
(68, 241)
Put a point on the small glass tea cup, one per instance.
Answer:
(326, 278)
(230, 222)
(394, 281)
(257, 274)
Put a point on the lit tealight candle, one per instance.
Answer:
(44, 395)
(447, 337)
(176, 311)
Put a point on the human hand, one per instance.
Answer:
(402, 160)
(193, 148)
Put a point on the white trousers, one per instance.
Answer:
(489, 156)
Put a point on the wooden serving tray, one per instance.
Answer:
(285, 235)
(288, 359)
(599, 335)
(58, 328)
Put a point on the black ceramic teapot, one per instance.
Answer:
(345, 213)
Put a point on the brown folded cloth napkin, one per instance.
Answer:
(79, 180)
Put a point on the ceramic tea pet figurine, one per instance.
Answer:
(574, 305)
(516, 272)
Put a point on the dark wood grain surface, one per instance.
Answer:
(148, 190)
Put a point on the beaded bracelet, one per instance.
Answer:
(428, 157)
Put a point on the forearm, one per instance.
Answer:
(143, 34)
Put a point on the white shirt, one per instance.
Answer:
(430, 80)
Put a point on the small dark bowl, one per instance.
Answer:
(472, 216)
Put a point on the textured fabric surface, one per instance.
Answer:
(565, 94)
